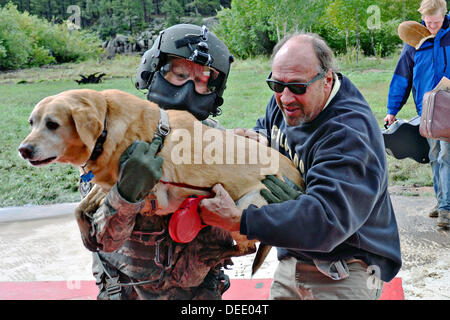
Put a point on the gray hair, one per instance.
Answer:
(323, 52)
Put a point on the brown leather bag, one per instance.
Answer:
(435, 118)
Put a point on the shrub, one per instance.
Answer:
(245, 29)
(253, 27)
(15, 45)
(386, 39)
(335, 37)
(27, 41)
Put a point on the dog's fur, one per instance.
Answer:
(65, 128)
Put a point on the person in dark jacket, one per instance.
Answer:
(420, 70)
(339, 239)
(134, 255)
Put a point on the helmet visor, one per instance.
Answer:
(180, 70)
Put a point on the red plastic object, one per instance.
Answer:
(185, 223)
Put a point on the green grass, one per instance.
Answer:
(247, 93)
(245, 100)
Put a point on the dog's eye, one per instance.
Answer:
(52, 125)
(30, 122)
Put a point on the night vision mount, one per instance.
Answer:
(200, 54)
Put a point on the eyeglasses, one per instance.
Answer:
(294, 87)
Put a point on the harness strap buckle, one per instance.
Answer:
(163, 130)
(169, 255)
(156, 259)
(163, 125)
(147, 238)
(112, 286)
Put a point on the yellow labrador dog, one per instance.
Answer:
(65, 128)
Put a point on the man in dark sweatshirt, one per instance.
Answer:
(339, 239)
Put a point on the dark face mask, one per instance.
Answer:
(184, 97)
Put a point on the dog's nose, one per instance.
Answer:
(26, 151)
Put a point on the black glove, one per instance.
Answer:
(280, 191)
(140, 170)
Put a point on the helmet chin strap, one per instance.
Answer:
(184, 97)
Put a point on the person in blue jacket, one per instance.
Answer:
(420, 71)
(339, 239)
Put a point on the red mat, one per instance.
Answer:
(241, 289)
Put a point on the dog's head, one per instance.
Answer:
(64, 128)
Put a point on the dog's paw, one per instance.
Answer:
(93, 200)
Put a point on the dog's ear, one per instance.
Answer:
(88, 127)
(88, 115)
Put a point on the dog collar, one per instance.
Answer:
(98, 149)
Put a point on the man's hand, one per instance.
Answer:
(221, 210)
(279, 191)
(251, 134)
(389, 119)
(139, 169)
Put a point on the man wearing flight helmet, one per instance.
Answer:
(182, 53)
(134, 256)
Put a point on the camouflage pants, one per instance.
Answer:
(213, 286)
